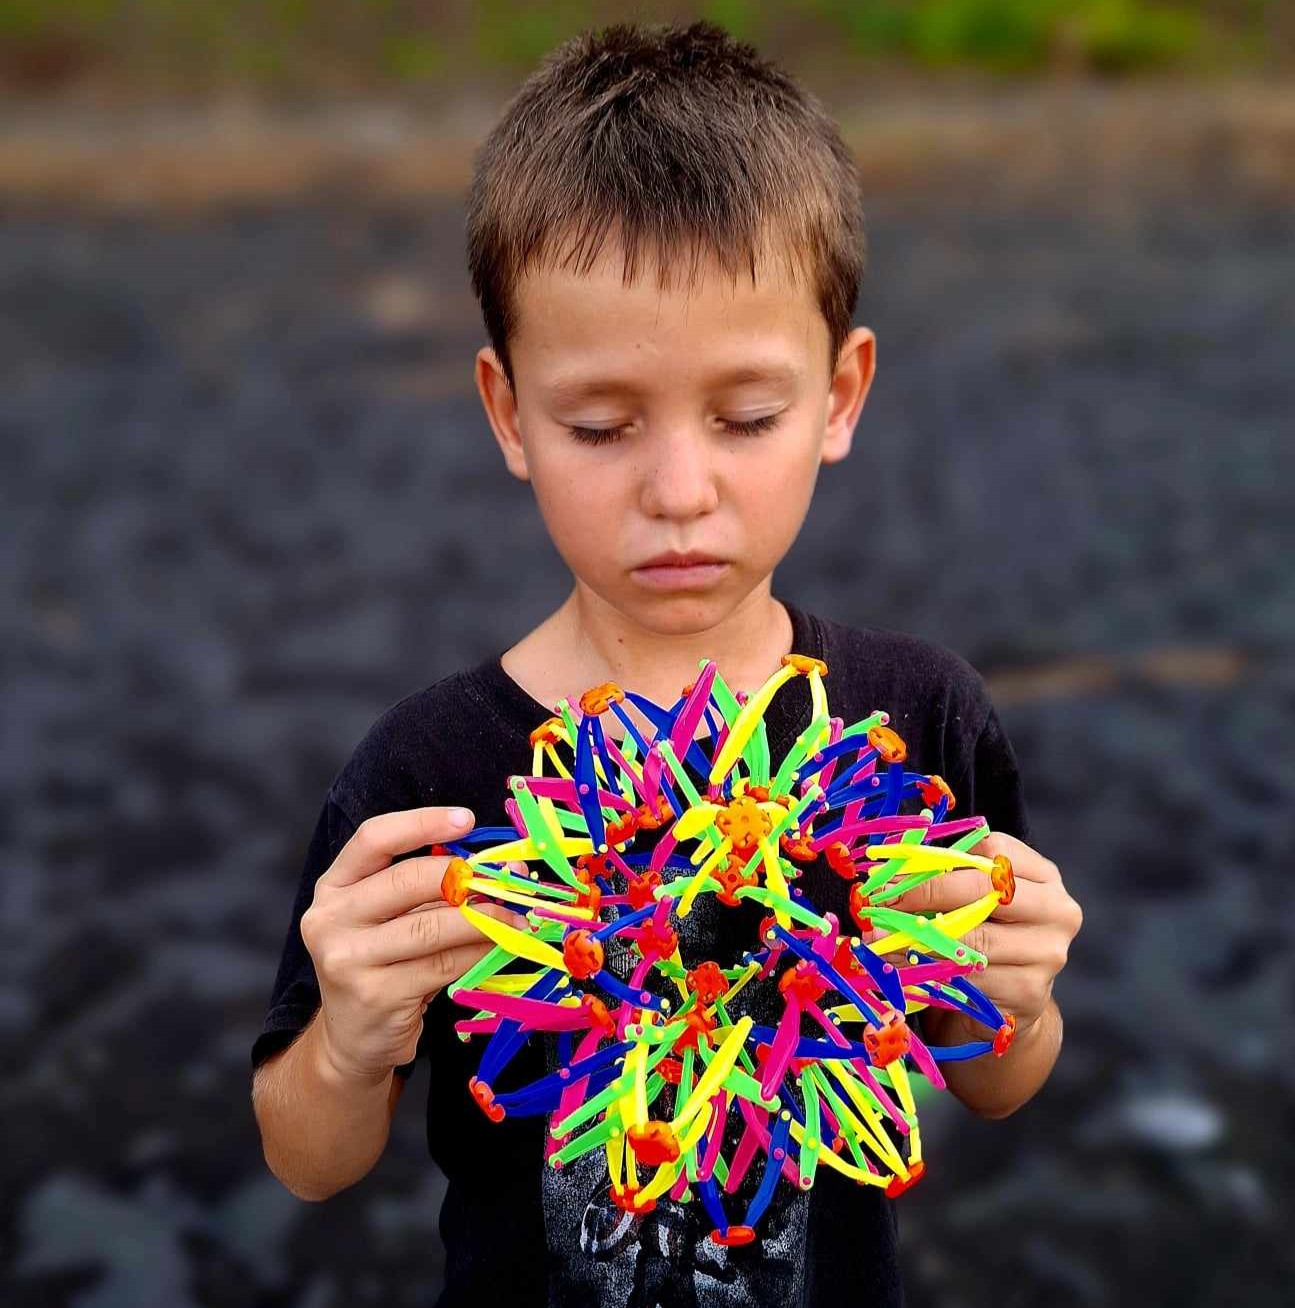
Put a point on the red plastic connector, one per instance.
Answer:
(889, 1041)
(934, 789)
(859, 905)
(654, 1143)
(840, 861)
(627, 1200)
(641, 888)
(803, 982)
(735, 1235)
(699, 1025)
(485, 1098)
(707, 982)
(897, 1185)
(1005, 1035)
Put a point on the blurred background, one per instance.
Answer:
(248, 500)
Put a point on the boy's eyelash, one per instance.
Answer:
(600, 436)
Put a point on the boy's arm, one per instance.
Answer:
(335, 1143)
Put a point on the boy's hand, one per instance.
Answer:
(1027, 942)
(384, 941)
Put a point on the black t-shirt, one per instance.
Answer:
(519, 1232)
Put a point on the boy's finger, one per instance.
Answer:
(404, 887)
(941, 893)
(1027, 863)
(380, 839)
(423, 977)
(999, 943)
(419, 934)
(952, 890)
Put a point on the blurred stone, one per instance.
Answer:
(1167, 1119)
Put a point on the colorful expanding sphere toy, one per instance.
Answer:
(795, 1052)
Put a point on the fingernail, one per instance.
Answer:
(460, 817)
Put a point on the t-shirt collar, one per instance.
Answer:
(787, 716)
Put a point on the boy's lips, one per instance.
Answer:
(680, 559)
(680, 571)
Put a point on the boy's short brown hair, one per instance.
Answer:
(670, 140)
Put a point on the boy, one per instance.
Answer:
(665, 235)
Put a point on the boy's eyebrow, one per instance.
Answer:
(576, 388)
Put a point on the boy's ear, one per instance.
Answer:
(855, 366)
(500, 404)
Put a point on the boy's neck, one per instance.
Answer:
(586, 642)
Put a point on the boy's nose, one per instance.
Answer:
(680, 481)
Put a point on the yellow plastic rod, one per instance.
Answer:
(517, 942)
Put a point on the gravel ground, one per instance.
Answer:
(249, 500)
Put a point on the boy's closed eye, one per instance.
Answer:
(737, 426)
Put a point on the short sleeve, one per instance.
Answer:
(295, 996)
(997, 792)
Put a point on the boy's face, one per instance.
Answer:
(652, 420)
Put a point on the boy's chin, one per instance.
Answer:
(677, 613)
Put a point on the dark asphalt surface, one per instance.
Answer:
(249, 500)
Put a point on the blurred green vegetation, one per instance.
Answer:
(323, 45)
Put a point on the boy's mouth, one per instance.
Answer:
(681, 572)
(680, 559)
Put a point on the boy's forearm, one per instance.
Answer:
(320, 1131)
(996, 1087)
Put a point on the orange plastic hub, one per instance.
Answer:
(454, 884)
(582, 954)
(744, 823)
(671, 1070)
(598, 699)
(731, 881)
(889, 745)
(795, 844)
(803, 663)
(846, 961)
(598, 1013)
(591, 866)
(1003, 878)
(651, 816)
(547, 732)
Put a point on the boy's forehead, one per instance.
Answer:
(769, 323)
